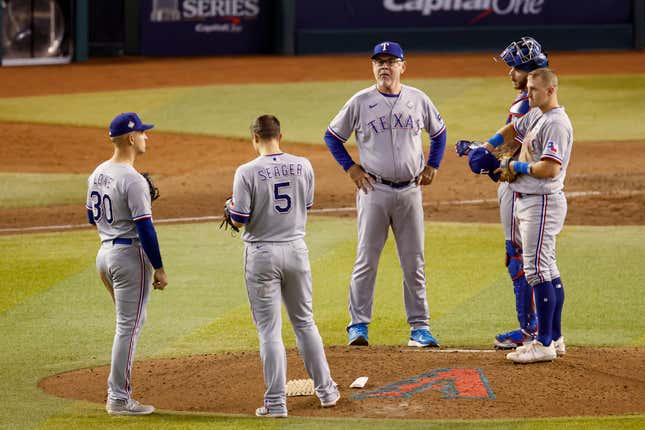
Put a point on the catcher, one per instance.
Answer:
(522, 57)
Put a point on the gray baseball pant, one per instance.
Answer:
(541, 218)
(402, 209)
(128, 271)
(275, 273)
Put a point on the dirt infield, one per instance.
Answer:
(186, 177)
(454, 385)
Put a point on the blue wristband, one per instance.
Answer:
(496, 140)
(521, 167)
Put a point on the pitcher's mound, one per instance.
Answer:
(403, 383)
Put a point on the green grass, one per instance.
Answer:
(56, 315)
(471, 107)
(39, 189)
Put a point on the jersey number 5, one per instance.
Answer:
(101, 206)
(283, 198)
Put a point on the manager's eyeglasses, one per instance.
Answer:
(389, 62)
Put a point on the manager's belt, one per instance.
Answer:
(121, 241)
(390, 183)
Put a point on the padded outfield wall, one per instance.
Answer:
(466, 25)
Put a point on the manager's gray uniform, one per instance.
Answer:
(388, 131)
(271, 195)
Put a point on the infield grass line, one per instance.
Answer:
(573, 194)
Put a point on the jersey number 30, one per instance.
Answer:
(282, 198)
(101, 206)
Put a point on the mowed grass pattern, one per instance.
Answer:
(64, 319)
(24, 190)
(472, 107)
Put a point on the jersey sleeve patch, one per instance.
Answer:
(552, 151)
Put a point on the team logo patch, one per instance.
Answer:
(131, 124)
(453, 383)
(552, 147)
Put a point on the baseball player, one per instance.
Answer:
(387, 120)
(271, 196)
(522, 57)
(128, 261)
(546, 135)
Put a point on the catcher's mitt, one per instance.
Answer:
(506, 174)
(227, 221)
(463, 147)
(154, 191)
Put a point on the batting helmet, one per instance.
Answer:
(525, 54)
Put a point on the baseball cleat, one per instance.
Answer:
(265, 413)
(128, 407)
(330, 403)
(512, 339)
(533, 353)
(560, 347)
(358, 334)
(422, 338)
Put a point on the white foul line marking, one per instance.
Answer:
(571, 194)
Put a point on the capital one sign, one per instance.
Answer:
(498, 7)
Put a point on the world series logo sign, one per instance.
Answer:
(205, 27)
(453, 383)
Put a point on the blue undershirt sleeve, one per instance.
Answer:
(90, 216)
(437, 148)
(338, 150)
(148, 238)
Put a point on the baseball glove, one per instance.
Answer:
(463, 147)
(154, 191)
(227, 221)
(506, 174)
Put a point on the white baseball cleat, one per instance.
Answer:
(265, 413)
(533, 353)
(560, 347)
(128, 407)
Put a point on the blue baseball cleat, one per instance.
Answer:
(422, 338)
(512, 339)
(358, 334)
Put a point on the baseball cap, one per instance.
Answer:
(390, 48)
(481, 161)
(127, 122)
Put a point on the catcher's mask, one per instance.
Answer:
(482, 161)
(525, 54)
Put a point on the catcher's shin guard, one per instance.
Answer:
(524, 305)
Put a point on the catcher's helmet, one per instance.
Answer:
(525, 54)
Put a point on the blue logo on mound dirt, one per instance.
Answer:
(453, 383)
